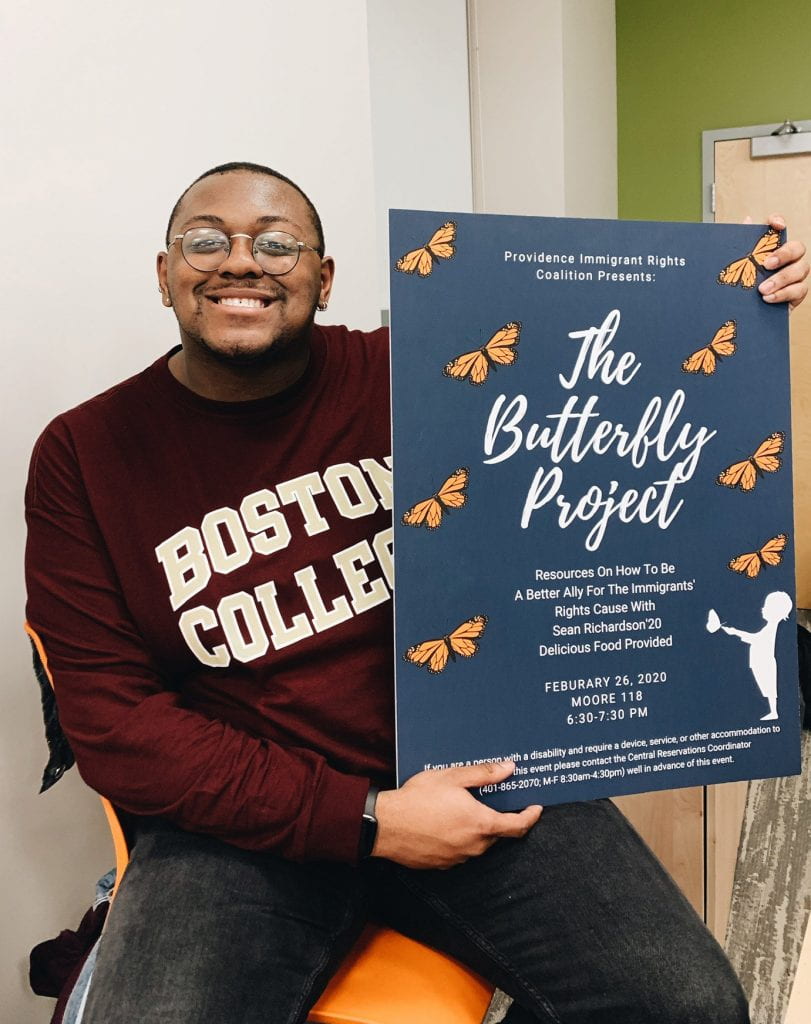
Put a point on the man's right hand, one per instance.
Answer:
(434, 822)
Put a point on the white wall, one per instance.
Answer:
(108, 112)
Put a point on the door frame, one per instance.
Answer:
(708, 140)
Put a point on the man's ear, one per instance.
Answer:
(327, 277)
(163, 282)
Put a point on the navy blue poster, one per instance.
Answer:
(592, 504)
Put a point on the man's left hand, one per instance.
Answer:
(789, 283)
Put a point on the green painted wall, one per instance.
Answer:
(687, 66)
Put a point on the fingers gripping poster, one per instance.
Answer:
(592, 504)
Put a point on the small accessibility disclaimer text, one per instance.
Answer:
(620, 758)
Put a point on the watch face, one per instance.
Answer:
(368, 834)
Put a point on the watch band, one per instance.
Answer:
(368, 825)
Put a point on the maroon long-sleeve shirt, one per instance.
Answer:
(211, 583)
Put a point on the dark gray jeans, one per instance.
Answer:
(577, 921)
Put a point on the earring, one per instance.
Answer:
(321, 306)
(166, 300)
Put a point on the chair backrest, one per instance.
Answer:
(386, 978)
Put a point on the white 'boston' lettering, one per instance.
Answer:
(336, 479)
(268, 528)
(381, 479)
(184, 561)
(226, 541)
(365, 593)
(301, 490)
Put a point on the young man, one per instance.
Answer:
(209, 570)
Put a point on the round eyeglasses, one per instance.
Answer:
(206, 249)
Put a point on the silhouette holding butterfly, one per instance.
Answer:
(744, 271)
(752, 562)
(765, 459)
(434, 654)
(705, 359)
(452, 494)
(498, 351)
(439, 247)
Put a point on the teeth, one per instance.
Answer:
(250, 303)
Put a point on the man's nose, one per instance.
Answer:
(240, 260)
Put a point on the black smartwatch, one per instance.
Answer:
(368, 825)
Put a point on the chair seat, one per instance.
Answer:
(390, 979)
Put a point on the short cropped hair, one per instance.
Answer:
(244, 165)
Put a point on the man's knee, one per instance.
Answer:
(712, 996)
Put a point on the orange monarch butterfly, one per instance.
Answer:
(744, 271)
(751, 563)
(439, 247)
(705, 359)
(498, 351)
(451, 494)
(765, 459)
(434, 654)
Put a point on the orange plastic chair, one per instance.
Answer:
(386, 978)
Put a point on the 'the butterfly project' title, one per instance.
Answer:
(661, 439)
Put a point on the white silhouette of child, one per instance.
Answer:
(776, 609)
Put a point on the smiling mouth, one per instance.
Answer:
(238, 302)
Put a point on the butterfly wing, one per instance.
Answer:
(748, 564)
(430, 654)
(440, 246)
(752, 562)
(450, 495)
(442, 241)
(772, 550)
(453, 494)
(765, 459)
(471, 365)
(767, 456)
(739, 474)
(417, 261)
(744, 271)
(428, 513)
(463, 638)
(702, 361)
(500, 349)
(433, 654)
(722, 343)
(765, 246)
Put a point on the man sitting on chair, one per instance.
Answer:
(209, 571)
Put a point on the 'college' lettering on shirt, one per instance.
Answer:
(228, 538)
